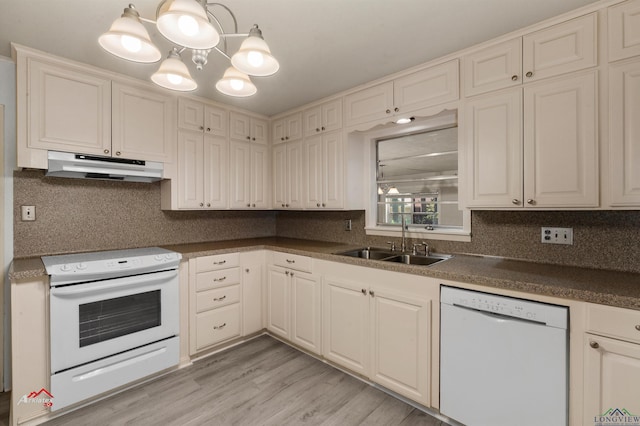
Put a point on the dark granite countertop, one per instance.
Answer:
(621, 289)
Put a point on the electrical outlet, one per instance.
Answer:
(557, 235)
(28, 213)
(347, 225)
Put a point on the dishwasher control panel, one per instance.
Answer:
(504, 305)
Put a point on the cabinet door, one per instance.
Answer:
(560, 144)
(240, 128)
(332, 171)
(312, 121)
(332, 115)
(216, 159)
(278, 304)
(280, 182)
(144, 124)
(432, 86)
(279, 131)
(215, 121)
(306, 306)
(624, 133)
(566, 47)
(294, 127)
(611, 376)
(294, 181)
(68, 109)
(493, 129)
(313, 172)
(346, 324)
(190, 170)
(240, 175)
(260, 177)
(252, 266)
(400, 336)
(494, 67)
(369, 104)
(624, 30)
(259, 131)
(190, 114)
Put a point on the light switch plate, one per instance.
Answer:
(557, 235)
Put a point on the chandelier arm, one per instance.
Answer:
(222, 52)
(215, 19)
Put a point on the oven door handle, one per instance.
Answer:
(98, 287)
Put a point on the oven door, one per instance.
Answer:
(94, 320)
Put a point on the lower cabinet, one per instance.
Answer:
(379, 332)
(294, 303)
(611, 363)
(252, 265)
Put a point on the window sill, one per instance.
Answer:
(436, 234)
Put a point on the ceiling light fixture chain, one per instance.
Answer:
(189, 25)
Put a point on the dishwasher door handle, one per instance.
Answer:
(500, 316)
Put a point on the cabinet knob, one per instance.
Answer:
(283, 205)
(247, 270)
(317, 129)
(201, 204)
(322, 128)
(594, 345)
(515, 201)
(117, 152)
(529, 74)
(208, 129)
(531, 201)
(286, 272)
(323, 205)
(286, 205)
(371, 293)
(248, 138)
(514, 78)
(201, 127)
(396, 109)
(364, 291)
(253, 205)
(286, 138)
(106, 151)
(292, 273)
(281, 139)
(248, 205)
(208, 204)
(318, 205)
(388, 111)
(638, 327)
(253, 139)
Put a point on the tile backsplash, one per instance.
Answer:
(74, 215)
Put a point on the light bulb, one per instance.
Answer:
(174, 79)
(188, 25)
(255, 59)
(236, 84)
(132, 44)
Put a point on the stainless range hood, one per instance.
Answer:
(82, 166)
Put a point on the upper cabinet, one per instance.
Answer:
(287, 129)
(559, 49)
(200, 117)
(65, 106)
(247, 128)
(624, 30)
(432, 86)
(323, 118)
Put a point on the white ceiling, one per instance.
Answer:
(323, 46)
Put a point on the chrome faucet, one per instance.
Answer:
(403, 244)
(423, 244)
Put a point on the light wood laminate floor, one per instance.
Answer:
(261, 382)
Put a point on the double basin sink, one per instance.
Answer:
(393, 256)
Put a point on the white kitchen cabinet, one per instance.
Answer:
(326, 117)
(432, 86)
(559, 49)
(287, 129)
(202, 170)
(202, 117)
(287, 175)
(278, 301)
(624, 30)
(323, 166)
(246, 128)
(143, 123)
(611, 361)
(249, 175)
(252, 265)
(544, 158)
(215, 309)
(624, 128)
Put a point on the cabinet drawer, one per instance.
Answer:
(615, 322)
(218, 261)
(211, 299)
(292, 261)
(216, 279)
(217, 325)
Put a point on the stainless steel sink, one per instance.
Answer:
(413, 259)
(393, 256)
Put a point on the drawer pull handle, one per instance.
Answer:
(218, 299)
(217, 280)
(219, 327)
(291, 261)
(220, 263)
(594, 345)
(638, 327)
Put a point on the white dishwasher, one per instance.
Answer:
(503, 361)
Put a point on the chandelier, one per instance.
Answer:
(189, 24)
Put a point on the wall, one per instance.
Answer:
(75, 215)
(602, 239)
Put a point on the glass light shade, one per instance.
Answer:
(173, 74)
(128, 39)
(254, 58)
(236, 83)
(185, 22)
(393, 190)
